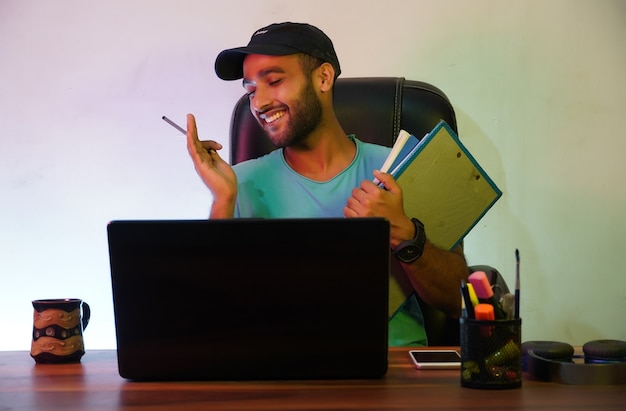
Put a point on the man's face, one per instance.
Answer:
(282, 98)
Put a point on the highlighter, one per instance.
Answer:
(472, 294)
(484, 311)
(485, 294)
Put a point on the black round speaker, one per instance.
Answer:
(604, 362)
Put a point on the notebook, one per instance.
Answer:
(250, 299)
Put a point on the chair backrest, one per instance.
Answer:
(375, 109)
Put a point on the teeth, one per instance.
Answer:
(274, 117)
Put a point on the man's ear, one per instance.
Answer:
(326, 75)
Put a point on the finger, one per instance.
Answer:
(387, 180)
(211, 145)
(192, 130)
(370, 187)
(349, 212)
(193, 144)
(214, 156)
(357, 204)
(193, 139)
(358, 194)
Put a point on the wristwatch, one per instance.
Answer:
(410, 250)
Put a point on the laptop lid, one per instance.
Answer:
(250, 299)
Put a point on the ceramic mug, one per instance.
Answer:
(58, 326)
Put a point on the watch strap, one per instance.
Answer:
(410, 250)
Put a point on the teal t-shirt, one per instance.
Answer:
(269, 188)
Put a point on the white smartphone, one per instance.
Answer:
(436, 359)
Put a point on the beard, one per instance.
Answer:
(305, 115)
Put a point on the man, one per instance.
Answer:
(288, 71)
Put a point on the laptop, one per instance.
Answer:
(250, 299)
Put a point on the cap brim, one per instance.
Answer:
(229, 63)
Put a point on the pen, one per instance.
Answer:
(517, 313)
(176, 126)
(463, 308)
(467, 301)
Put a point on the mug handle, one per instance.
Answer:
(86, 314)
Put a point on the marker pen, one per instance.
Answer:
(484, 311)
(485, 293)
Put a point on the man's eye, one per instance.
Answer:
(275, 82)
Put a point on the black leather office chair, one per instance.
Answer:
(375, 109)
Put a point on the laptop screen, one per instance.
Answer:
(251, 299)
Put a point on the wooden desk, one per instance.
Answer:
(95, 385)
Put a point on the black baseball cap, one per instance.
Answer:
(278, 39)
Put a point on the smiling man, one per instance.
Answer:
(288, 71)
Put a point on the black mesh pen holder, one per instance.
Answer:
(491, 355)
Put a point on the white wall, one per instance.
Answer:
(538, 86)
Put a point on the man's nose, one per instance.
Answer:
(260, 99)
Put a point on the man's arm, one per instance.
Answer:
(436, 275)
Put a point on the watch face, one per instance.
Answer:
(410, 250)
(409, 253)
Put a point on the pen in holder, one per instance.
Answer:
(491, 356)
